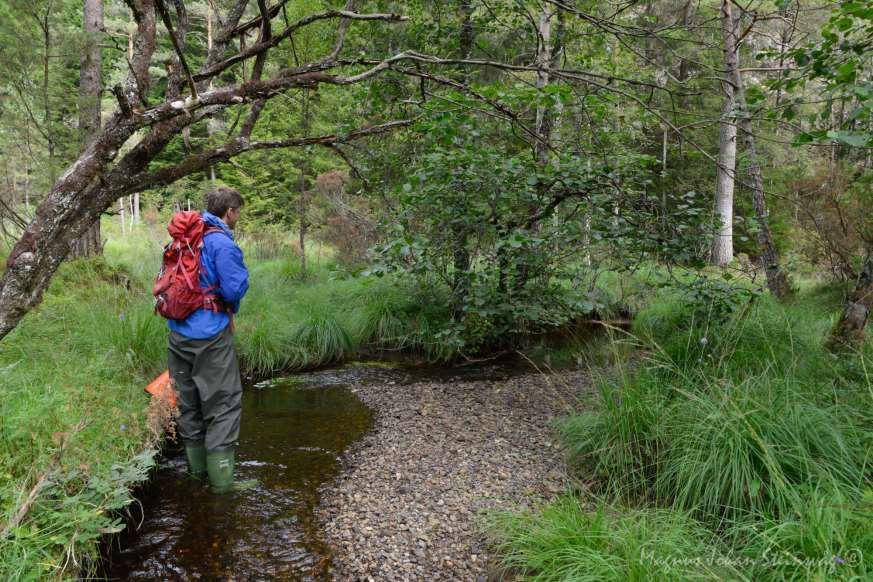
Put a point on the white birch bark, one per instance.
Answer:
(723, 242)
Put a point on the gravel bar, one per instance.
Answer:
(409, 502)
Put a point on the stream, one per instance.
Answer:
(293, 433)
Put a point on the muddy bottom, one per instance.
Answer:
(291, 437)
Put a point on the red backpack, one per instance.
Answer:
(177, 288)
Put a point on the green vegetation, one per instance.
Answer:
(293, 323)
(748, 426)
(73, 416)
(567, 541)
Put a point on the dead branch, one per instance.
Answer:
(165, 16)
(267, 44)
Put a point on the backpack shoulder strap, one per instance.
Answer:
(210, 229)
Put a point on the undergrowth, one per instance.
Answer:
(74, 435)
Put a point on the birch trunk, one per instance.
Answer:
(777, 278)
(121, 215)
(723, 242)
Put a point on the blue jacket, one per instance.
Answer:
(222, 265)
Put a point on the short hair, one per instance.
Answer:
(220, 200)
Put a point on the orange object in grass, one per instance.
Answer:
(162, 388)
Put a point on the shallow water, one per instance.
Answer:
(291, 438)
(292, 435)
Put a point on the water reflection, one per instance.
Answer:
(291, 439)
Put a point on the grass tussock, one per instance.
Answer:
(566, 540)
(748, 425)
(291, 323)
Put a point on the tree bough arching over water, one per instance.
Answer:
(102, 174)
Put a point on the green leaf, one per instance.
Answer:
(845, 23)
(846, 72)
(849, 138)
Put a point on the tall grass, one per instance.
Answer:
(565, 540)
(287, 322)
(826, 536)
(746, 447)
(76, 360)
(749, 425)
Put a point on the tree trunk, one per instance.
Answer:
(46, 100)
(460, 252)
(90, 84)
(302, 205)
(849, 330)
(544, 62)
(777, 278)
(723, 242)
(121, 215)
(467, 37)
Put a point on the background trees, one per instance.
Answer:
(616, 122)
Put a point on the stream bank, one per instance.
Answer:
(409, 502)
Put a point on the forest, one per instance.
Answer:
(538, 289)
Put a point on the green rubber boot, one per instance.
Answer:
(219, 465)
(196, 454)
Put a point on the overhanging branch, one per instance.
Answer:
(265, 45)
(239, 145)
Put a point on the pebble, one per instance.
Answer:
(410, 501)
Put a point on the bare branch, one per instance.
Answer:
(341, 31)
(240, 145)
(255, 22)
(175, 79)
(123, 103)
(348, 160)
(165, 16)
(508, 112)
(137, 83)
(265, 35)
(252, 118)
(260, 47)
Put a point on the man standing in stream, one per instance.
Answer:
(202, 358)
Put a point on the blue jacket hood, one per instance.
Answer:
(213, 220)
